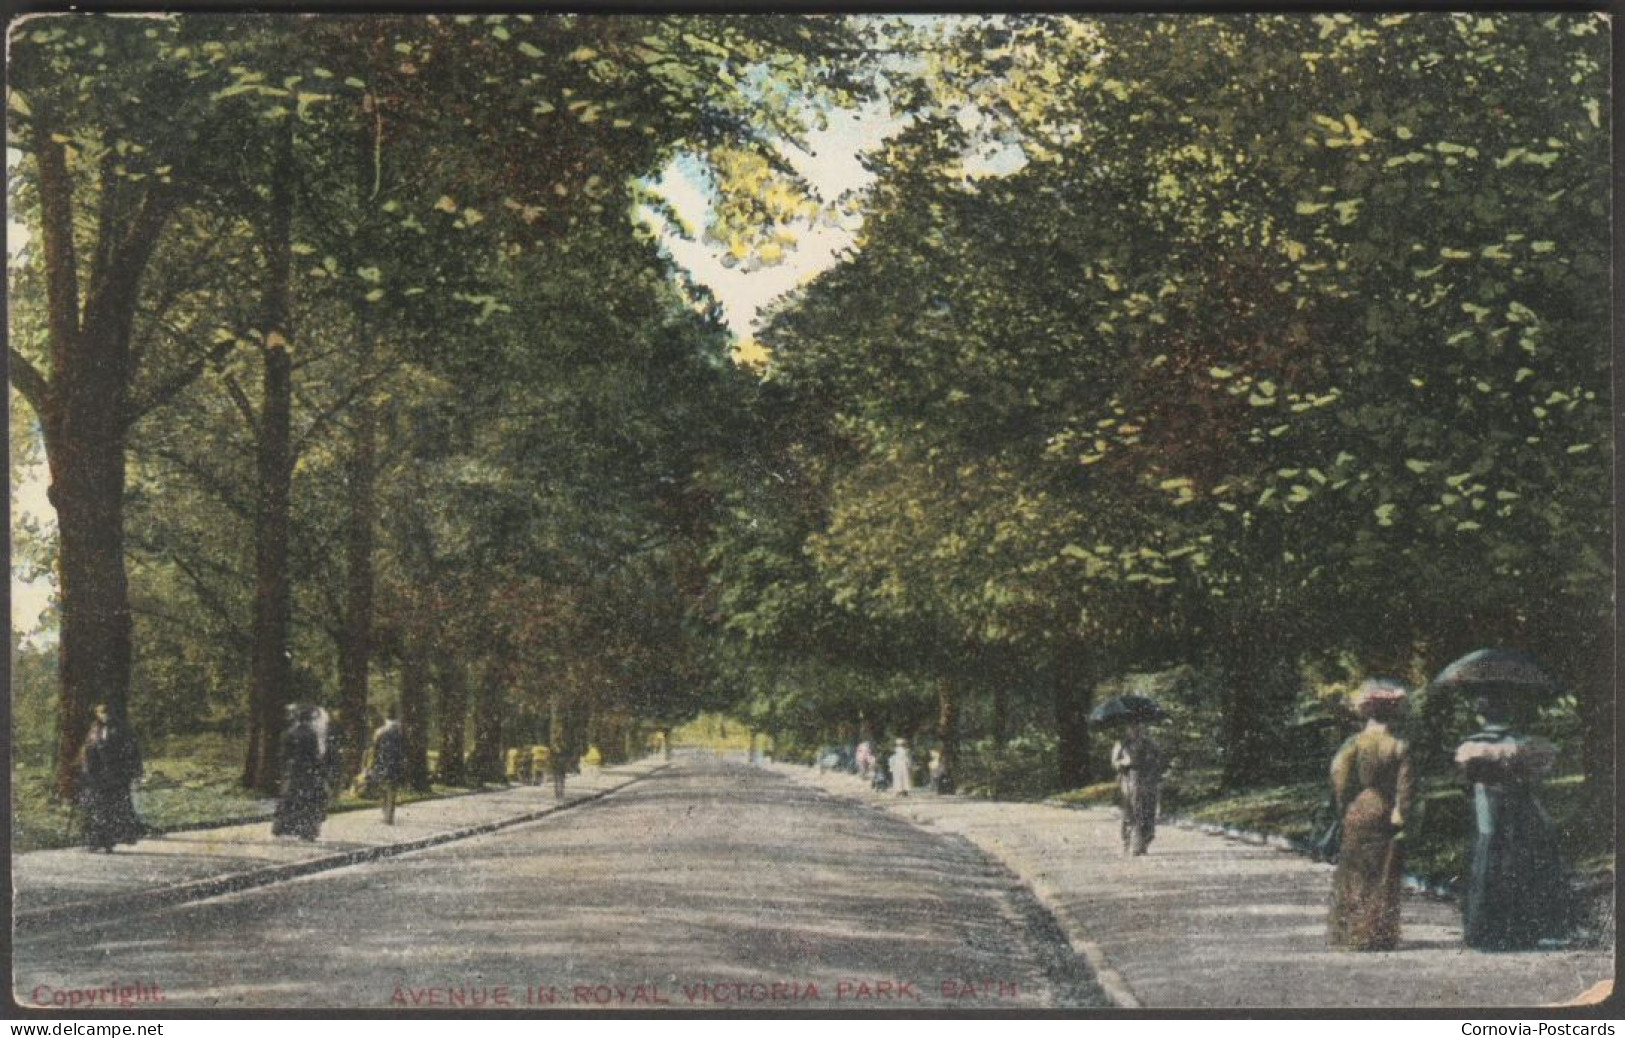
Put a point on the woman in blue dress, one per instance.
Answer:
(1516, 894)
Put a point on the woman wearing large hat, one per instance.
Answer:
(1374, 787)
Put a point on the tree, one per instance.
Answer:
(108, 116)
(1192, 313)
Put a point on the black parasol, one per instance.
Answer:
(1504, 672)
(1128, 710)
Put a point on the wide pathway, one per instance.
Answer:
(1208, 922)
(708, 884)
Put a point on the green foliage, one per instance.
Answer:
(537, 387)
(33, 699)
(1021, 769)
(191, 781)
(1437, 842)
(1248, 358)
(1224, 359)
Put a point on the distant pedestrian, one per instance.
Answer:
(866, 759)
(1139, 764)
(882, 777)
(1373, 784)
(110, 763)
(1516, 894)
(330, 744)
(942, 783)
(902, 769)
(302, 807)
(389, 762)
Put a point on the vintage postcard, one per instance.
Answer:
(844, 513)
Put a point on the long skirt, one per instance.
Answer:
(110, 817)
(1516, 892)
(1139, 805)
(301, 810)
(1366, 886)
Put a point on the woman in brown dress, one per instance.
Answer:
(1138, 761)
(1371, 777)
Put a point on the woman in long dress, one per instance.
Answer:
(902, 769)
(303, 805)
(1138, 761)
(1516, 893)
(1374, 787)
(109, 763)
(866, 760)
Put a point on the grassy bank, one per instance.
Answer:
(1438, 832)
(190, 782)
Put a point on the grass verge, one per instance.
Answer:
(1439, 829)
(190, 783)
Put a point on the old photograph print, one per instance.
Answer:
(703, 513)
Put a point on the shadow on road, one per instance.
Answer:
(709, 884)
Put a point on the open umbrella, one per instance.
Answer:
(1128, 710)
(1497, 672)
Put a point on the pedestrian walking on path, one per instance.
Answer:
(902, 769)
(1516, 893)
(330, 737)
(389, 762)
(109, 764)
(865, 758)
(1139, 764)
(303, 805)
(1373, 784)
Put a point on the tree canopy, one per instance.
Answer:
(1254, 352)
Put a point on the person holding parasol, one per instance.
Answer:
(1516, 895)
(1139, 763)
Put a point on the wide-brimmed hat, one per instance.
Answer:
(1380, 697)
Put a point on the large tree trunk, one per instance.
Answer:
(999, 726)
(557, 744)
(85, 412)
(1073, 696)
(361, 472)
(453, 681)
(415, 711)
(1597, 709)
(948, 724)
(1576, 646)
(1260, 683)
(94, 652)
(487, 761)
(273, 597)
(355, 648)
